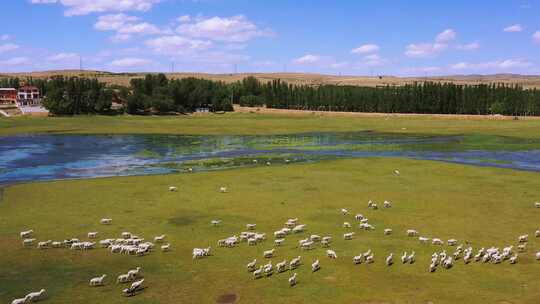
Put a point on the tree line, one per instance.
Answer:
(428, 97)
(155, 93)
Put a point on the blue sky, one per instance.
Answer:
(390, 37)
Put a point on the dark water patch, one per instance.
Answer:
(26, 158)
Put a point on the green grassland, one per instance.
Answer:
(251, 124)
(483, 206)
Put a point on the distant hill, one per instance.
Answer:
(527, 81)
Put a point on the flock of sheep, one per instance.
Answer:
(127, 243)
(446, 260)
(133, 245)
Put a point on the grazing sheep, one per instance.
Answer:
(432, 267)
(105, 221)
(423, 240)
(258, 273)
(523, 238)
(344, 211)
(358, 217)
(135, 273)
(325, 243)
(126, 235)
(292, 280)
(92, 235)
(44, 245)
(26, 234)
(215, 222)
(412, 258)
(279, 242)
(370, 259)
(252, 241)
(166, 247)
(123, 278)
(268, 253)
(173, 189)
(390, 259)
(57, 244)
(387, 231)
(159, 238)
(331, 254)
(513, 259)
(346, 225)
(315, 266)
(251, 226)
(448, 263)
(452, 242)
(357, 259)
(404, 258)
(299, 228)
(223, 189)
(396, 172)
(315, 238)
(28, 242)
(436, 241)
(412, 232)
(268, 163)
(20, 301)
(367, 253)
(387, 204)
(538, 255)
(295, 262)
(307, 245)
(268, 269)
(35, 296)
(537, 204)
(537, 233)
(136, 286)
(282, 266)
(522, 247)
(98, 281)
(348, 236)
(251, 265)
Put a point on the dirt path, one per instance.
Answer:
(264, 110)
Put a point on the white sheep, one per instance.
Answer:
(537, 204)
(282, 266)
(358, 217)
(215, 222)
(387, 204)
(28, 242)
(411, 258)
(437, 241)
(44, 245)
(124, 278)
(315, 266)
(269, 253)
(57, 244)
(346, 225)
(390, 259)
(268, 269)
(396, 172)
(404, 258)
(92, 235)
(106, 221)
(159, 238)
(387, 231)
(166, 247)
(223, 189)
(20, 301)
(251, 226)
(26, 234)
(331, 254)
(98, 281)
(370, 259)
(292, 280)
(412, 232)
(537, 233)
(423, 239)
(251, 265)
(126, 235)
(538, 255)
(258, 273)
(295, 262)
(299, 228)
(344, 211)
(268, 163)
(357, 259)
(36, 296)
(432, 267)
(306, 245)
(135, 286)
(135, 273)
(522, 247)
(279, 242)
(523, 238)
(348, 236)
(173, 188)
(452, 242)
(252, 241)
(513, 259)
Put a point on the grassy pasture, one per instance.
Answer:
(251, 124)
(484, 206)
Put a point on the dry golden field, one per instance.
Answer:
(299, 78)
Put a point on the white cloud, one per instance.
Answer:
(338, 65)
(15, 61)
(113, 22)
(184, 18)
(422, 70)
(446, 36)
(515, 28)
(366, 49)
(144, 28)
(469, 47)
(85, 7)
(130, 62)
(8, 47)
(307, 59)
(63, 57)
(420, 50)
(5, 37)
(492, 65)
(231, 29)
(536, 37)
(176, 45)
(373, 60)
